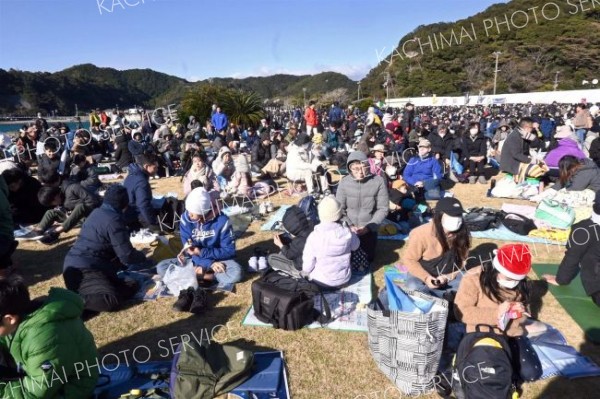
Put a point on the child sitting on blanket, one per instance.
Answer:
(326, 257)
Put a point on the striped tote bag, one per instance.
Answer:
(407, 345)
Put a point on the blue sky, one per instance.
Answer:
(197, 39)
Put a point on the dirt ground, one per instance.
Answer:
(321, 363)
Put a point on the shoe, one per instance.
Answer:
(262, 208)
(482, 180)
(199, 300)
(253, 264)
(30, 236)
(49, 238)
(472, 179)
(183, 303)
(262, 263)
(270, 207)
(144, 236)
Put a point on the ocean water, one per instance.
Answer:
(14, 127)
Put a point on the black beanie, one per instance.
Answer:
(116, 196)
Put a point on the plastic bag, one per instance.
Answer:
(178, 277)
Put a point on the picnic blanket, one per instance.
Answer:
(276, 217)
(575, 301)
(504, 234)
(396, 237)
(348, 307)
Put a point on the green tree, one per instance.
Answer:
(241, 107)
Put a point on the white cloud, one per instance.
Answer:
(354, 72)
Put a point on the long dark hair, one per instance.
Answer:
(461, 242)
(567, 167)
(488, 279)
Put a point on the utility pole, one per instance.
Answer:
(556, 80)
(496, 54)
(358, 95)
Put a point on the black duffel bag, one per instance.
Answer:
(286, 302)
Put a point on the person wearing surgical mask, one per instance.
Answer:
(496, 294)
(423, 172)
(476, 146)
(515, 150)
(436, 252)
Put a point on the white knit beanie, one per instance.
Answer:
(330, 209)
(198, 201)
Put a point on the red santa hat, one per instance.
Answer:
(513, 261)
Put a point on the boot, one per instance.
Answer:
(183, 303)
(199, 301)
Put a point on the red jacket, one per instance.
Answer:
(310, 116)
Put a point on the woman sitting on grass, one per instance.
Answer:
(498, 296)
(577, 175)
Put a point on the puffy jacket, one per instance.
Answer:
(565, 147)
(205, 175)
(261, 155)
(123, 156)
(297, 159)
(336, 115)
(442, 145)
(476, 147)
(364, 202)
(326, 256)
(214, 238)
(75, 194)
(310, 115)
(48, 166)
(223, 169)
(52, 338)
(588, 176)
(103, 239)
(582, 255)
(332, 138)
(295, 222)
(515, 151)
(418, 169)
(140, 196)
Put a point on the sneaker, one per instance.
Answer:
(262, 263)
(262, 208)
(183, 303)
(199, 300)
(30, 236)
(448, 194)
(144, 236)
(253, 264)
(472, 179)
(482, 180)
(49, 238)
(270, 207)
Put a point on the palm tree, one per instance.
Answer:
(242, 108)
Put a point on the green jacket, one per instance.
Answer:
(51, 346)
(6, 221)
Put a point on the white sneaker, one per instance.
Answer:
(253, 264)
(262, 263)
(144, 236)
(262, 208)
(448, 194)
(270, 207)
(22, 235)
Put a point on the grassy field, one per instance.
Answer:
(321, 363)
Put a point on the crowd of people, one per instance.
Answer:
(391, 162)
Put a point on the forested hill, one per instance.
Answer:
(89, 86)
(537, 39)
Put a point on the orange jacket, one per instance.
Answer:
(310, 116)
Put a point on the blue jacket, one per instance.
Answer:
(140, 196)
(214, 238)
(419, 169)
(103, 241)
(547, 126)
(219, 121)
(336, 114)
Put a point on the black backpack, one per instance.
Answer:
(483, 367)
(286, 302)
(308, 205)
(518, 223)
(480, 219)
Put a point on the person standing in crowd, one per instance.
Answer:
(436, 252)
(582, 122)
(311, 119)
(140, 212)
(364, 201)
(219, 120)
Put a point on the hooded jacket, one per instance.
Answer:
(364, 202)
(588, 176)
(103, 239)
(223, 169)
(295, 222)
(298, 159)
(214, 238)
(53, 345)
(326, 256)
(565, 147)
(205, 175)
(140, 196)
(75, 194)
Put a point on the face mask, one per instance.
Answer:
(507, 284)
(473, 132)
(451, 224)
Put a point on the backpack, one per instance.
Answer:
(483, 367)
(518, 224)
(204, 370)
(308, 205)
(480, 219)
(286, 302)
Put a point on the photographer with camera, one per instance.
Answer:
(437, 251)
